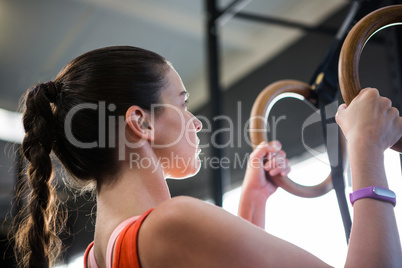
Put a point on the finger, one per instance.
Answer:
(275, 144)
(283, 171)
(392, 116)
(274, 159)
(339, 114)
(393, 113)
(279, 161)
(274, 172)
(264, 149)
(279, 171)
(275, 147)
(385, 104)
(287, 169)
(272, 155)
(368, 91)
(341, 108)
(398, 125)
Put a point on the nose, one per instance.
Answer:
(197, 124)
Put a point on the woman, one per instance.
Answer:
(127, 161)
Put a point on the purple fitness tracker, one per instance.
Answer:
(374, 192)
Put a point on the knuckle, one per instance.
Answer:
(394, 111)
(386, 102)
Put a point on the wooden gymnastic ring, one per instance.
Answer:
(348, 68)
(258, 126)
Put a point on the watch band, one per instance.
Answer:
(374, 192)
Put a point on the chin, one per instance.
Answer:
(186, 172)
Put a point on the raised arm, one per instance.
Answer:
(256, 188)
(371, 125)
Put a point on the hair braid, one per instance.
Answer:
(37, 241)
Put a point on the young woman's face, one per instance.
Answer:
(176, 143)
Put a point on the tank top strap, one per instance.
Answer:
(110, 245)
(91, 256)
(113, 239)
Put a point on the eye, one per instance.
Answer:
(186, 103)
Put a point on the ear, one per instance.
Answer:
(138, 121)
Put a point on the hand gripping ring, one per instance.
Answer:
(348, 68)
(258, 126)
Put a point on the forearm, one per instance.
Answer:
(374, 240)
(252, 209)
(267, 158)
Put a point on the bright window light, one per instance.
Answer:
(77, 262)
(11, 126)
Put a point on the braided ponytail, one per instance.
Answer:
(37, 243)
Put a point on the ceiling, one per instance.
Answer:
(38, 37)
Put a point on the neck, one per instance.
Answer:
(135, 191)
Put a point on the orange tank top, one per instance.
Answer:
(125, 245)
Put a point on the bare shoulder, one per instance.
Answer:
(183, 210)
(168, 235)
(179, 207)
(186, 232)
(177, 213)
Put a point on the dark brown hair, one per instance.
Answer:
(119, 76)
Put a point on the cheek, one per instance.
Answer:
(169, 131)
(175, 130)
